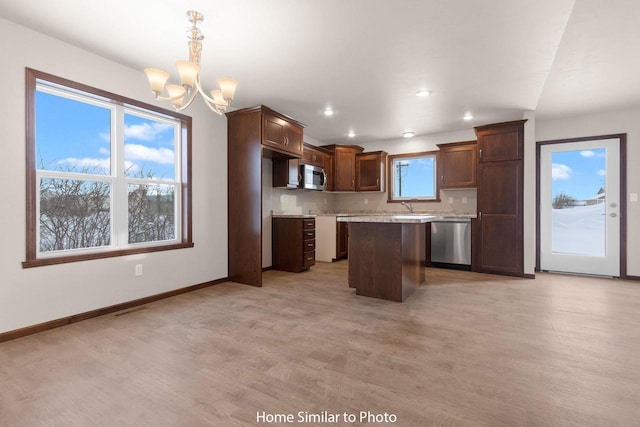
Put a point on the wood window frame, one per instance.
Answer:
(391, 181)
(32, 260)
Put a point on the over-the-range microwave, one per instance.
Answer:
(313, 177)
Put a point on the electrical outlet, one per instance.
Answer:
(633, 197)
(450, 200)
(366, 201)
(464, 200)
(138, 270)
(325, 201)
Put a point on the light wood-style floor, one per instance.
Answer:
(465, 350)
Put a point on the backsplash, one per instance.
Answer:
(451, 201)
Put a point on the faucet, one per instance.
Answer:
(408, 206)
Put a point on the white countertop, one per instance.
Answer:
(293, 216)
(441, 215)
(403, 219)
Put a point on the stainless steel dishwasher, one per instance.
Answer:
(451, 242)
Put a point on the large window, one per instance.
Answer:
(106, 175)
(413, 177)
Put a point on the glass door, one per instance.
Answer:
(580, 207)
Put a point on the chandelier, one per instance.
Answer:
(182, 95)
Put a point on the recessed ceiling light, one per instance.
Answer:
(328, 112)
(423, 92)
(408, 134)
(468, 116)
(351, 134)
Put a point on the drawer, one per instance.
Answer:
(309, 245)
(309, 259)
(309, 234)
(309, 224)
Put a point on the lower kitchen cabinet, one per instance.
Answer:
(342, 240)
(293, 243)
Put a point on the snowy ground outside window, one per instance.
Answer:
(579, 230)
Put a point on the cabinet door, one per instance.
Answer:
(282, 135)
(313, 157)
(458, 166)
(499, 244)
(294, 139)
(370, 171)
(345, 169)
(501, 143)
(328, 168)
(274, 131)
(342, 240)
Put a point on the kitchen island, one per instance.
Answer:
(386, 254)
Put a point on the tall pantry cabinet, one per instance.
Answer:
(498, 230)
(251, 134)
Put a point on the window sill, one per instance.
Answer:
(415, 201)
(41, 262)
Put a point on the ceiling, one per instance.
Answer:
(367, 58)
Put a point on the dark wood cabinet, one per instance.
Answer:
(427, 246)
(281, 133)
(286, 173)
(343, 168)
(457, 164)
(328, 169)
(251, 134)
(501, 142)
(342, 240)
(293, 244)
(313, 156)
(370, 171)
(498, 231)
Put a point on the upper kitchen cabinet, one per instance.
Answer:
(457, 164)
(281, 134)
(312, 155)
(370, 171)
(343, 169)
(500, 142)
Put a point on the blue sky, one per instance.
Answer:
(416, 178)
(75, 136)
(580, 173)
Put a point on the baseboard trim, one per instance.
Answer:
(52, 324)
(627, 277)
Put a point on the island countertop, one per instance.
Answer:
(402, 219)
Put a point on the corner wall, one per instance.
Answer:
(36, 295)
(625, 121)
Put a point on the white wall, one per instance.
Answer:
(34, 295)
(604, 124)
